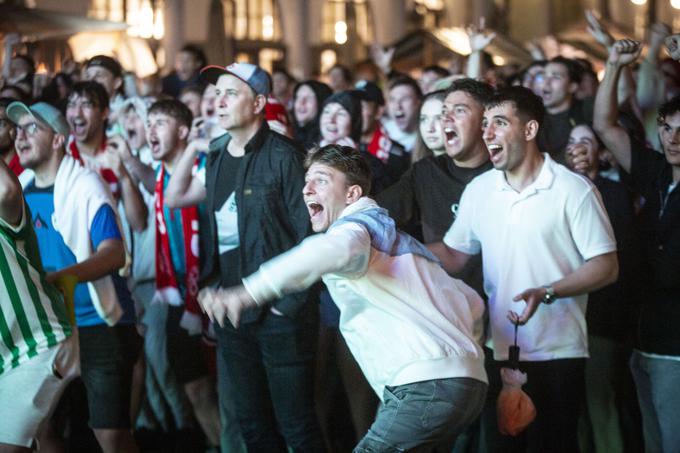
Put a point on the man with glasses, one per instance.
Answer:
(38, 354)
(77, 231)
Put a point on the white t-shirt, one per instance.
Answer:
(226, 219)
(527, 240)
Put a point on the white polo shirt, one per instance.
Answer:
(527, 240)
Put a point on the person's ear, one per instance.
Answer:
(573, 87)
(531, 130)
(379, 112)
(13, 133)
(259, 104)
(117, 83)
(183, 132)
(354, 192)
(58, 141)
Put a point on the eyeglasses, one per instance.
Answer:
(29, 129)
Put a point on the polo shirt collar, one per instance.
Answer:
(543, 181)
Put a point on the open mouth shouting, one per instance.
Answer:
(495, 151)
(451, 135)
(315, 209)
(155, 146)
(79, 127)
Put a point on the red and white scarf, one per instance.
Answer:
(106, 173)
(167, 289)
(380, 144)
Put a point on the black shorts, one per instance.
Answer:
(107, 357)
(185, 352)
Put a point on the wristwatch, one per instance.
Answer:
(549, 297)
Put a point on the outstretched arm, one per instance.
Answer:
(345, 250)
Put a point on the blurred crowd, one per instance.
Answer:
(136, 195)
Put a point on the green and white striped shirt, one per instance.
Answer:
(32, 313)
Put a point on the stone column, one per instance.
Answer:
(174, 37)
(389, 20)
(294, 18)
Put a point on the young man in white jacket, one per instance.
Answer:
(413, 330)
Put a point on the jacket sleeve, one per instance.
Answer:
(344, 250)
(293, 180)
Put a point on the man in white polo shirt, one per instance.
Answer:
(546, 242)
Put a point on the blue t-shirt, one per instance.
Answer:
(56, 255)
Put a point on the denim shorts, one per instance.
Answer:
(423, 413)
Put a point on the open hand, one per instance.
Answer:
(382, 57)
(479, 37)
(598, 30)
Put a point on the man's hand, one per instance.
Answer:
(624, 52)
(673, 47)
(112, 156)
(232, 302)
(598, 30)
(479, 37)
(382, 57)
(578, 156)
(198, 144)
(533, 298)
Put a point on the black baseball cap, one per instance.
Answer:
(369, 91)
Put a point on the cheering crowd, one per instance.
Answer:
(232, 260)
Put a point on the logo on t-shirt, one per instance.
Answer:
(39, 223)
(454, 209)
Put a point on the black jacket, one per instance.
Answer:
(272, 215)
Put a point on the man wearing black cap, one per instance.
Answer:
(374, 138)
(253, 196)
(106, 71)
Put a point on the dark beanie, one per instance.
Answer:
(352, 104)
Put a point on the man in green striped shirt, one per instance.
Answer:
(38, 354)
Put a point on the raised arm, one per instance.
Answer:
(11, 199)
(605, 114)
(139, 171)
(650, 77)
(183, 189)
(133, 203)
(479, 40)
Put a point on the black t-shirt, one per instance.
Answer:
(610, 308)
(227, 170)
(651, 175)
(553, 134)
(430, 191)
